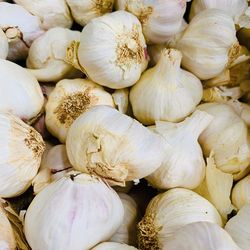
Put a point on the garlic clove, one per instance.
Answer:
(4, 46)
(113, 246)
(121, 99)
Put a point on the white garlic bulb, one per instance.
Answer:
(84, 11)
(170, 211)
(160, 19)
(201, 235)
(21, 29)
(239, 229)
(121, 100)
(234, 8)
(70, 99)
(113, 246)
(183, 164)
(83, 221)
(127, 231)
(51, 13)
(112, 145)
(177, 91)
(4, 45)
(209, 44)
(20, 92)
(47, 54)
(21, 149)
(226, 136)
(115, 59)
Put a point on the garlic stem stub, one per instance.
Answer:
(104, 142)
(4, 45)
(83, 221)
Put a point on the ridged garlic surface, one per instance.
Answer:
(183, 164)
(84, 11)
(170, 211)
(209, 44)
(20, 92)
(4, 45)
(117, 58)
(165, 92)
(113, 246)
(74, 213)
(201, 235)
(70, 99)
(46, 59)
(226, 136)
(109, 144)
(51, 13)
(21, 149)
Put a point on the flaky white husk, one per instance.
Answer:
(4, 45)
(227, 137)
(170, 211)
(51, 13)
(117, 58)
(47, 54)
(20, 92)
(113, 246)
(201, 235)
(127, 231)
(84, 11)
(244, 20)
(112, 145)
(239, 229)
(234, 8)
(21, 149)
(160, 19)
(183, 165)
(76, 212)
(209, 44)
(21, 29)
(165, 92)
(70, 99)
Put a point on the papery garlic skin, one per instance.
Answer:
(46, 59)
(244, 20)
(51, 13)
(84, 11)
(118, 57)
(183, 165)
(113, 246)
(21, 149)
(170, 211)
(4, 45)
(209, 44)
(84, 221)
(160, 19)
(70, 99)
(177, 91)
(20, 92)
(201, 235)
(104, 142)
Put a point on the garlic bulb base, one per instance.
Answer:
(233, 53)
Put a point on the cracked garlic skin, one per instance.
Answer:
(109, 144)
(113, 246)
(70, 99)
(20, 92)
(91, 213)
(177, 91)
(117, 58)
(21, 149)
(4, 45)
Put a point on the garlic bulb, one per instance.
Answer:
(113, 246)
(183, 165)
(84, 11)
(21, 150)
(239, 229)
(170, 211)
(68, 100)
(201, 235)
(234, 8)
(209, 44)
(51, 13)
(177, 91)
(160, 19)
(127, 231)
(21, 29)
(4, 46)
(227, 137)
(83, 221)
(20, 92)
(47, 54)
(121, 99)
(244, 20)
(115, 59)
(114, 146)
(155, 52)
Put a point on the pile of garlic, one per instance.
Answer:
(125, 124)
